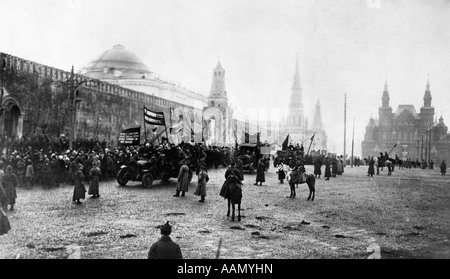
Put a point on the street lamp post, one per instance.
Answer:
(72, 85)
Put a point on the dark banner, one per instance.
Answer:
(154, 118)
(130, 136)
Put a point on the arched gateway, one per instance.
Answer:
(11, 119)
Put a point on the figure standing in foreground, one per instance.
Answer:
(165, 248)
(260, 172)
(443, 167)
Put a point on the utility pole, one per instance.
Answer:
(345, 126)
(353, 140)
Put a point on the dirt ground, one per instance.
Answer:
(406, 215)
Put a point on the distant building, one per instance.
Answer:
(296, 125)
(417, 134)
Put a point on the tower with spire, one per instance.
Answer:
(427, 111)
(296, 123)
(218, 108)
(317, 127)
(218, 93)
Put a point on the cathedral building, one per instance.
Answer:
(406, 132)
(296, 124)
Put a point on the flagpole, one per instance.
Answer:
(345, 127)
(145, 127)
(312, 138)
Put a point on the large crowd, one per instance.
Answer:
(49, 161)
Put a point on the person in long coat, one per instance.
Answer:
(165, 248)
(29, 174)
(443, 167)
(184, 178)
(327, 169)
(260, 172)
(317, 167)
(371, 171)
(203, 178)
(4, 222)
(334, 167)
(9, 183)
(79, 192)
(94, 178)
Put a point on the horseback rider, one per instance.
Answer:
(232, 175)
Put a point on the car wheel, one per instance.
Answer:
(122, 177)
(147, 180)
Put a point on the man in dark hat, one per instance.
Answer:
(165, 248)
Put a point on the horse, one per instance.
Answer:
(234, 197)
(296, 177)
(389, 163)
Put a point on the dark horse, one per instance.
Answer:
(232, 191)
(297, 177)
(235, 197)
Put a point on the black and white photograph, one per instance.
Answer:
(224, 130)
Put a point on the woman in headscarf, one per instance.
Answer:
(79, 191)
(184, 178)
(94, 177)
(9, 183)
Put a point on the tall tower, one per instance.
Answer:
(218, 108)
(295, 114)
(317, 120)
(385, 112)
(427, 111)
(320, 139)
(218, 93)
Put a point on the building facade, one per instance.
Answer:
(114, 90)
(406, 132)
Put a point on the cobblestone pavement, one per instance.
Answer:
(353, 216)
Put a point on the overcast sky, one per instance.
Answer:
(342, 47)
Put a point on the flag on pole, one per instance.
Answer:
(285, 143)
(154, 118)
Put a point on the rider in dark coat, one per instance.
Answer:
(232, 175)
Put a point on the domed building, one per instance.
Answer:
(116, 63)
(121, 67)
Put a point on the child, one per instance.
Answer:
(281, 173)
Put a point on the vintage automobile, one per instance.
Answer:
(146, 171)
(250, 153)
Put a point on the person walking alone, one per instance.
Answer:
(94, 178)
(203, 178)
(184, 178)
(79, 192)
(9, 183)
